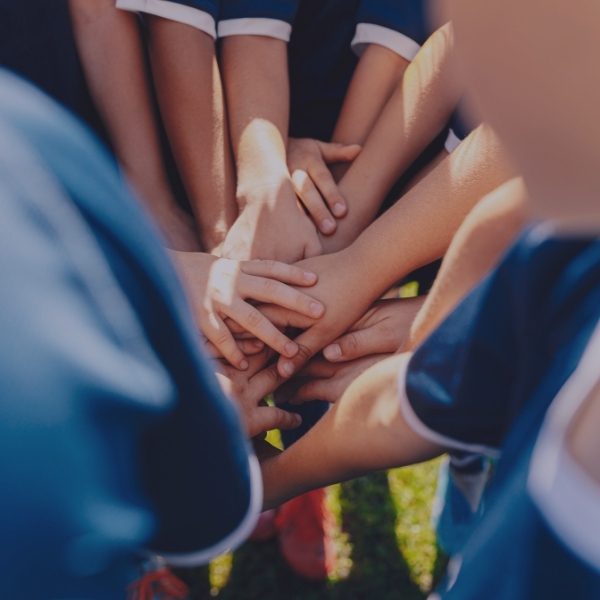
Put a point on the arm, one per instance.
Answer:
(192, 106)
(364, 431)
(111, 50)
(272, 225)
(415, 231)
(477, 246)
(417, 111)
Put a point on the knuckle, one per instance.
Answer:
(253, 317)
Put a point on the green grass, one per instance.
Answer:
(385, 542)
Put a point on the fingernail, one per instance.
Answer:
(244, 365)
(309, 277)
(287, 368)
(297, 420)
(333, 352)
(290, 349)
(258, 344)
(316, 309)
(327, 225)
(339, 209)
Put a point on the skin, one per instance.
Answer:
(111, 50)
(221, 288)
(412, 233)
(192, 106)
(417, 111)
(272, 224)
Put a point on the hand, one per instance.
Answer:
(345, 288)
(219, 288)
(272, 225)
(248, 389)
(383, 329)
(313, 182)
(322, 380)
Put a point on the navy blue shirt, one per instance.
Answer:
(523, 329)
(119, 436)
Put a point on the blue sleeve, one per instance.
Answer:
(459, 381)
(271, 18)
(201, 14)
(400, 25)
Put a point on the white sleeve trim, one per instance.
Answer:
(368, 33)
(174, 11)
(273, 28)
(567, 497)
(236, 537)
(425, 432)
(452, 142)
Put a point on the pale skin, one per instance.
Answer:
(391, 326)
(415, 231)
(255, 76)
(111, 50)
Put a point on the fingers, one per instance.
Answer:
(253, 321)
(283, 272)
(249, 347)
(217, 333)
(320, 368)
(309, 343)
(357, 344)
(335, 153)
(265, 418)
(284, 318)
(313, 202)
(265, 382)
(271, 291)
(323, 179)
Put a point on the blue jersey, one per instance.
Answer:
(119, 438)
(539, 538)
(201, 14)
(523, 329)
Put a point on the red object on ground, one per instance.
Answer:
(160, 584)
(306, 527)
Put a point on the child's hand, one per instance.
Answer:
(322, 380)
(248, 389)
(220, 288)
(343, 288)
(384, 329)
(272, 225)
(313, 182)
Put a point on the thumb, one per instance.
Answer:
(334, 153)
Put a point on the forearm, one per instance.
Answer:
(419, 227)
(376, 76)
(364, 431)
(255, 72)
(192, 105)
(111, 51)
(418, 110)
(477, 246)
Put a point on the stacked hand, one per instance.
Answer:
(222, 289)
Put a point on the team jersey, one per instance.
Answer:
(540, 536)
(117, 440)
(201, 14)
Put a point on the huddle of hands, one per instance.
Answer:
(305, 323)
